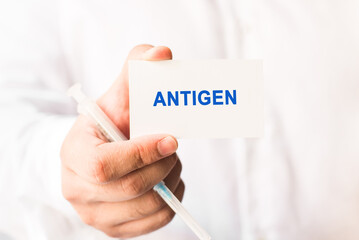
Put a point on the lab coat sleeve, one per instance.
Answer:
(35, 114)
(35, 117)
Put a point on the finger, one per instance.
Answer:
(143, 52)
(78, 190)
(174, 177)
(112, 214)
(110, 161)
(116, 99)
(157, 54)
(147, 224)
(148, 203)
(116, 160)
(140, 181)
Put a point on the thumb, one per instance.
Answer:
(115, 102)
(115, 160)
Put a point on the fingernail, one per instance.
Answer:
(167, 146)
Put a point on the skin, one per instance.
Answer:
(110, 184)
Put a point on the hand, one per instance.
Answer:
(110, 184)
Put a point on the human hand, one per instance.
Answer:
(110, 184)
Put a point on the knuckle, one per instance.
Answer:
(89, 219)
(87, 197)
(183, 186)
(119, 232)
(99, 166)
(152, 204)
(179, 165)
(67, 194)
(139, 212)
(166, 216)
(77, 194)
(139, 155)
(173, 161)
(182, 189)
(113, 233)
(133, 185)
(69, 190)
(155, 202)
(70, 194)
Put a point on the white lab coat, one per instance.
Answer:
(300, 181)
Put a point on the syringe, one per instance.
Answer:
(89, 108)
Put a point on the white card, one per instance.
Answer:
(196, 98)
